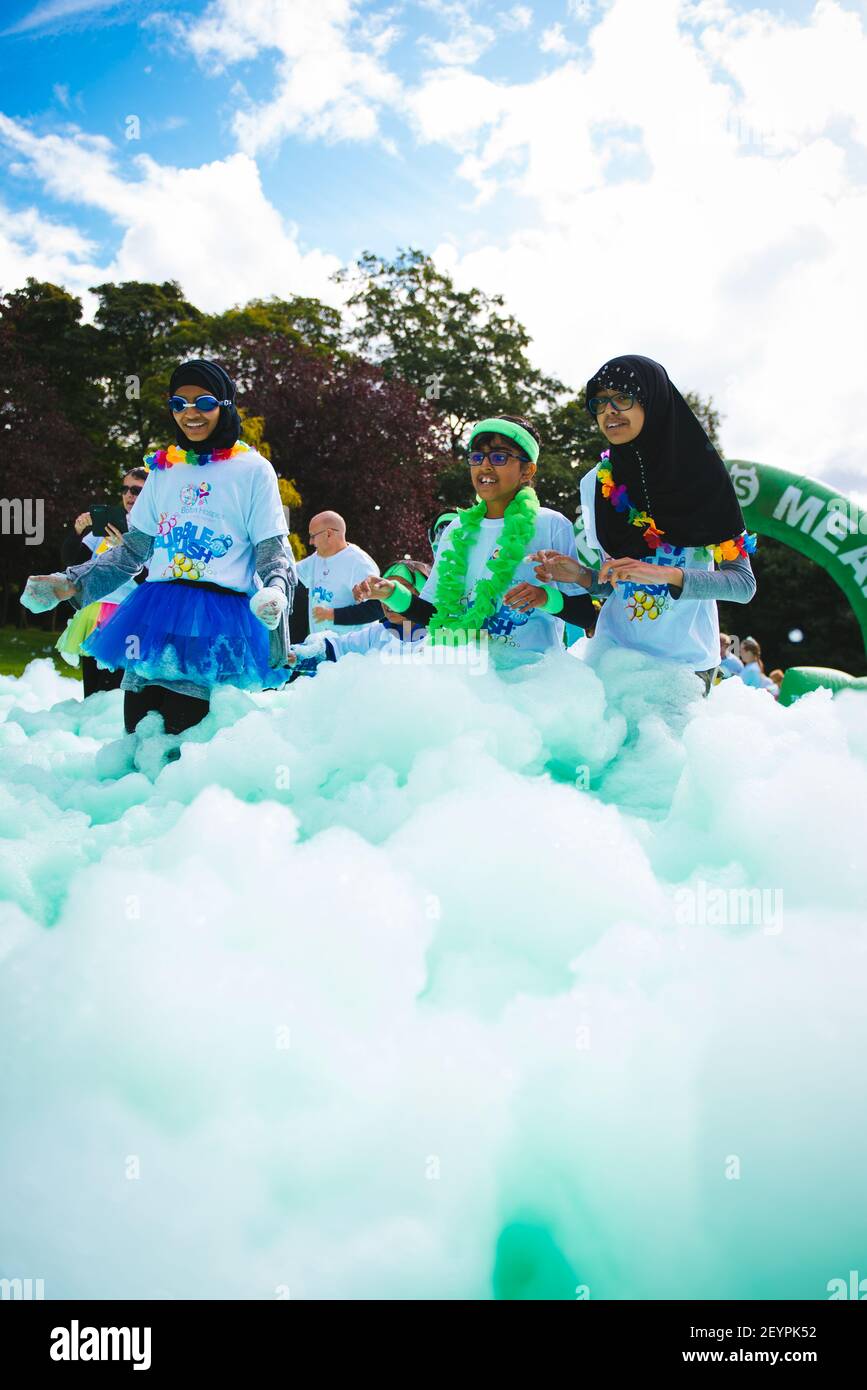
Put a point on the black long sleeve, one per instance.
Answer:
(299, 618)
(370, 611)
(578, 609)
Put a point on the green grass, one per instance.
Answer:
(20, 645)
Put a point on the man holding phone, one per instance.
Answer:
(93, 532)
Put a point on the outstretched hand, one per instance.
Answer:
(373, 587)
(44, 591)
(628, 570)
(554, 567)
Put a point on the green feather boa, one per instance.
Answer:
(452, 623)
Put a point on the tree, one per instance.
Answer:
(352, 440)
(52, 341)
(299, 320)
(48, 466)
(143, 331)
(459, 349)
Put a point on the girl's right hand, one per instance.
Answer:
(44, 591)
(373, 587)
(554, 567)
(83, 523)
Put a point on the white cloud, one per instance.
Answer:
(56, 13)
(738, 265)
(554, 40)
(330, 83)
(467, 40)
(32, 244)
(239, 246)
(518, 18)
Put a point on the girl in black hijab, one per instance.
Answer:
(660, 509)
(210, 525)
(217, 383)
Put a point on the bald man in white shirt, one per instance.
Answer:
(326, 579)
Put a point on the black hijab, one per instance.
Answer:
(212, 378)
(688, 490)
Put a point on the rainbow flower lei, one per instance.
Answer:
(737, 548)
(167, 458)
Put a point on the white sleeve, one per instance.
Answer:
(265, 516)
(360, 640)
(302, 569)
(563, 539)
(430, 588)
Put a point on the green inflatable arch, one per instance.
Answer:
(812, 519)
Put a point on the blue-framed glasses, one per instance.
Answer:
(178, 403)
(498, 457)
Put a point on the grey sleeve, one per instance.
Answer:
(733, 582)
(109, 570)
(275, 566)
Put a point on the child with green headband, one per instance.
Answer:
(391, 633)
(483, 578)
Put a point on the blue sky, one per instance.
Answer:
(686, 178)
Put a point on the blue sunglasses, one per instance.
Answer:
(178, 403)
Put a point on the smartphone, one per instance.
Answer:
(101, 515)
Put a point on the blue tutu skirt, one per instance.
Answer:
(183, 632)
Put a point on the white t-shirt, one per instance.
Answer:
(329, 580)
(207, 520)
(98, 545)
(645, 617)
(536, 630)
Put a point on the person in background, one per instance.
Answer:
(326, 579)
(729, 664)
(391, 632)
(79, 546)
(777, 677)
(438, 530)
(753, 672)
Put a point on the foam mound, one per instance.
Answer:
(408, 982)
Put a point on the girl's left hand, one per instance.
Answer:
(525, 596)
(635, 571)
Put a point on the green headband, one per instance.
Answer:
(509, 430)
(413, 577)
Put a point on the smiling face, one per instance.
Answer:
(499, 485)
(196, 424)
(618, 425)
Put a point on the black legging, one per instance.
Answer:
(94, 678)
(179, 712)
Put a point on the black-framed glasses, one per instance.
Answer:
(498, 457)
(177, 404)
(621, 400)
(134, 490)
(313, 534)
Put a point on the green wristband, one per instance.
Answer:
(554, 602)
(400, 599)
